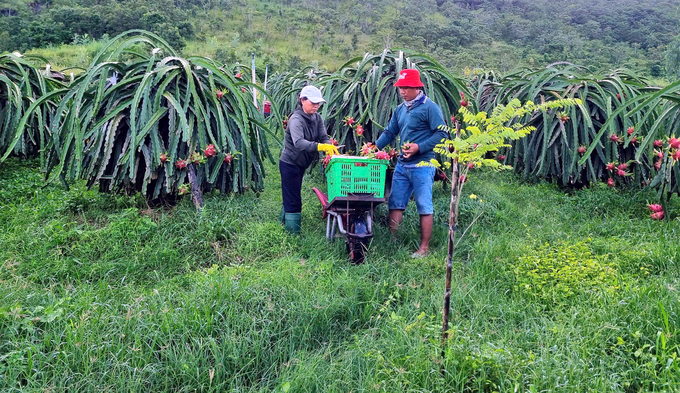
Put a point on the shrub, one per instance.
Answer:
(551, 274)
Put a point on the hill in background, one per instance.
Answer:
(498, 34)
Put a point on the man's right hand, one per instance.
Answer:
(410, 150)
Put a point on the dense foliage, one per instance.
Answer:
(25, 24)
(657, 112)
(360, 94)
(563, 137)
(21, 83)
(155, 123)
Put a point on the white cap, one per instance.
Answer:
(312, 93)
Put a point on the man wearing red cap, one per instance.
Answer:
(416, 121)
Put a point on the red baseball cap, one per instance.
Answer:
(409, 78)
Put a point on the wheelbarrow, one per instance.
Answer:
(356, 185)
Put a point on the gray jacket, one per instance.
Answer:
(303, 135)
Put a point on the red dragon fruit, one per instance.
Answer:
(181, 164)
(164, 157)
(658, 143)
(227, 158)
(674, 142)
(360, 130)
(348, 121)
(382, 155)
(623, 166)
(631, 130)
(326, 160)
(210, 151)
(658, 215)
(368, 148)
(610, 182)
(611, 166)
(676, 155)
(655, 207)
(463, 101)
(581, 149)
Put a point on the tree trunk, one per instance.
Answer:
(453, 221)
(196, 196)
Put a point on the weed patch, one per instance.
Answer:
(553, 274)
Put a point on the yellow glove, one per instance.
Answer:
(328, 149)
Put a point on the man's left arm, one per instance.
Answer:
(435, 121)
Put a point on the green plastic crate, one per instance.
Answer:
(355, 175)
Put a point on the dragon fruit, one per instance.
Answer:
(368, 148)
(658, 215)
(382, 155)
(674, 142)
(326, 160)
(676, 155)
(210, 151)
(348, 121)
(655, 207)
(197, 158)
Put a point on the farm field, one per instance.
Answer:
(552, 291)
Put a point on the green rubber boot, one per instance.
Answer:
(293, 222)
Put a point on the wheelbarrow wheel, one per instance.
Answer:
(357, 246)
(357, 250)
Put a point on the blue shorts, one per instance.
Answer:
(416, 180)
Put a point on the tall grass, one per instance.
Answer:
(100, 293)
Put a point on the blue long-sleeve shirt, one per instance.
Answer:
(417, 124)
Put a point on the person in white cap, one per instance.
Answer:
(305, 137)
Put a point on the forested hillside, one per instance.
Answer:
(499, 34)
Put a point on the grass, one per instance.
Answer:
(101, 293)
